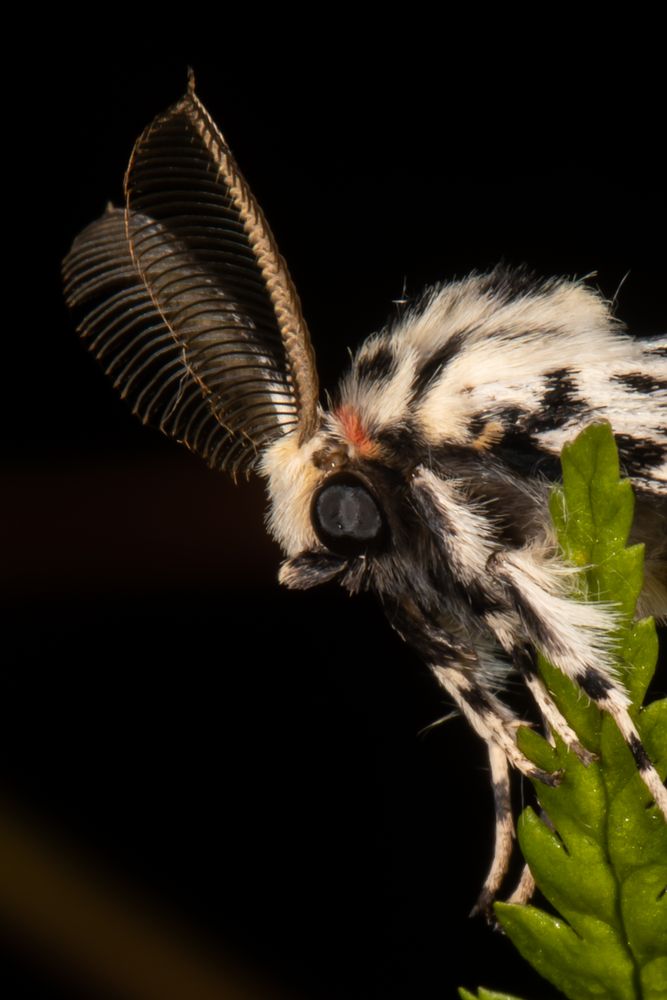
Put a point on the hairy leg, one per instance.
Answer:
(504, 831)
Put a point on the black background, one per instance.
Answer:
(248, 758)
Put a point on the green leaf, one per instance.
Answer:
(639, 655)
(601, 858)
(570, 867)
(589, 968)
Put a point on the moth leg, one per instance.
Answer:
(576, 637)
(609, 696)
(601, 690)
(490, 718)
(525, 887)
(551, 715)
(504, 832)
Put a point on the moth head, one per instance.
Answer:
(334, 507)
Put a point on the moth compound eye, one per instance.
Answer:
(346, 516)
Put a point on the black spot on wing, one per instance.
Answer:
(511, 417)
(518, 448)
(638, 454)
(377, 365)
(560, 402)
(432, 367)
(641, 382)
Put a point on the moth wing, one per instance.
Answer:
(186, 301)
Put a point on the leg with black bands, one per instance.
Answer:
(504, 832)
(553, 720)
(490, 718)
(605, 695)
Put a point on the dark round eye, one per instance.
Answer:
(346, 516)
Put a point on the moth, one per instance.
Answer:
(427, 477)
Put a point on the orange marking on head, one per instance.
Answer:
(355, 432)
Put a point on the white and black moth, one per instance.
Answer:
(426, 481)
